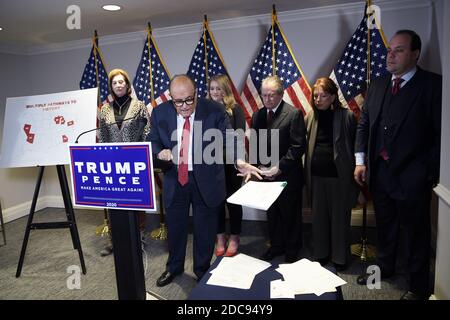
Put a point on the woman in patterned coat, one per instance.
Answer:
(125, 119)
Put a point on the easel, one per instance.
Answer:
(2, 225)
(70, 223)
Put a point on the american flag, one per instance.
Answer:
(350, 73)
(151, 82)
(296, 89)
(207, 62)
(95, 75)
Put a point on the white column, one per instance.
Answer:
(442, 279)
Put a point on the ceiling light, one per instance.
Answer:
(111, 7)
(1, 28)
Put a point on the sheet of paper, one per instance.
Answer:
(279, 289)
(306, 277)
(258, 195)
(237, 272)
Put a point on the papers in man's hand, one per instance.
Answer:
(304, 277)
(258, 195)
(237, 272)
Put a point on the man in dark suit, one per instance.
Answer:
(284, 164)
(177, 136)
(399, 131)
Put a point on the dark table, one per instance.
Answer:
(260, 289)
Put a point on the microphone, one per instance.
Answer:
(142, 123)
(110, 124)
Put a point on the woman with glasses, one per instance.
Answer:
(125, 119)
(219, 90)
(329, 167)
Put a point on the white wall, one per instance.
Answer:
(442, 280)
(16, 185)
(317, 37)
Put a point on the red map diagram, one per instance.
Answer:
(30, 136)
(59, 120)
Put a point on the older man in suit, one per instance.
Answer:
(177, 137)
(399, 131)
(281, 120)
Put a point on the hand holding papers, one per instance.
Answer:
(258, 195)
(270, 173)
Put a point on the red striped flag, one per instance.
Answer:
(95, 75)
(276, 57)
(151, 82)
(365, 54)
(207, 62)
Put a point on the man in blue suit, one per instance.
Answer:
(177, 135)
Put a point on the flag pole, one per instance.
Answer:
(161, 232)
(95, 41)
(363, 250)
(368, 4)
(103, 229)
(149, 37)
(274, 17)
(205, 28)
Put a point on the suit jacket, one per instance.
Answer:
(291, 144)
(133, 130)
(210, 178)
(414, 151)
(344, 130)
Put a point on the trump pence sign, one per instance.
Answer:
(113, 175)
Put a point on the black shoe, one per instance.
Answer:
(323, 261)
(362, 279)
(340, 267)
(408, 295)
(290, 258)
(106, 251)
(270, 255)
(166, 278)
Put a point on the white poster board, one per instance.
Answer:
(38, 129)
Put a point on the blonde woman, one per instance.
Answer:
(219, 90)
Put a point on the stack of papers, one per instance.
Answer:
(258, 195)
(237, 272)
(304, 277)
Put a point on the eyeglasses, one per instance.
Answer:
(179, 103)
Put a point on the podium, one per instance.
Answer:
(127, 251)
(118, 177)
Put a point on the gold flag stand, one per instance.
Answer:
(363, 250)
(103, 230)
(161, 232)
